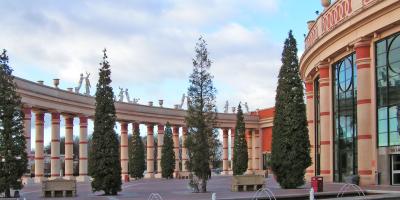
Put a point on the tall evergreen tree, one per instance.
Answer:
(13, 157)
(201, 117)
(167, 155)
(240, 156)
(290, 143)
(136, 155)
(104, 163)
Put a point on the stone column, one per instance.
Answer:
(27, 133)
(160, 138)
(55, 145)
(175, 138)
(365, 144)
(325, 114)
(249, 151)
(124, 151)
(83, 149)
(232, 147)
(69, 131)
(256, 150)
(150, 151)
(184, 149)
(310, 171)
(225, 150)
(39, 158)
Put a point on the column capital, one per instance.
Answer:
(160, 128)
(175, 129)
(363, 42)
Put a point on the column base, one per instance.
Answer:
(158, 175)
(251, 172)
(82, 178)
(149, 175)
(225, 172)
(69, 177)
(38, 179)
(367, 180)
(27, 180)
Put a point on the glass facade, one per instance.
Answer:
(317, 131)
(388, 90)
(345, 117)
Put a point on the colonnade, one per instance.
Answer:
(252, 138)
(55, 162)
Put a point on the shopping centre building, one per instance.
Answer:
(351, 67)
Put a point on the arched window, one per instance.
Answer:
(345, 117)
(388, 90)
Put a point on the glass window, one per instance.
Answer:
(317, 126)
(345, 118)
(388, 90)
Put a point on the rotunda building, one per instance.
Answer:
(351, 68)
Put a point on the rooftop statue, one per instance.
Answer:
(246, 107)
(127, 96)
(226, 108)
(135, 100)
(182, 101)
(79, 84)
(234, 109)
(87, 84)
(121, 94)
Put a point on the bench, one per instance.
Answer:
(247, 183)
(59, 188)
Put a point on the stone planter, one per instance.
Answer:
(56, 82)
(310, 24)
(247, 183)
(326, 3)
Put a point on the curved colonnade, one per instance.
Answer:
(39, 99)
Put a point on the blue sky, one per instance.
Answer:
(151, 43)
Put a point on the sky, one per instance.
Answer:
(150, 44)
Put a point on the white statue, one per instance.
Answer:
(121, 94)
(79, 84)
(135, 100)
(182, 100)
(87, 84)
(127, 96)
(234, 109)
(247, 107)
(226, 107)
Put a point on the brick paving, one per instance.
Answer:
(178, 190)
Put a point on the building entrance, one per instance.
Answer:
(396, 169)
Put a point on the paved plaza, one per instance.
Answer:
(176, 189)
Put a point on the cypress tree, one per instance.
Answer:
(167, 155)
(13, 157)
(200, 119)
(136, 155)
(104, 163)
(240, 156)
(290, 143)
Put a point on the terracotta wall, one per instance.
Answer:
(266, 139)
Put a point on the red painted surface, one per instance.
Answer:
(266, 139)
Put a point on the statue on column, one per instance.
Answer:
(127, 96)
(182, 101)
(226, 107)
(87, 81)
(79, 84)
(247, 107)
(121, 94)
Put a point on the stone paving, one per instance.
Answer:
(178, 190)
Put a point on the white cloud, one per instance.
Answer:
(150, 45)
